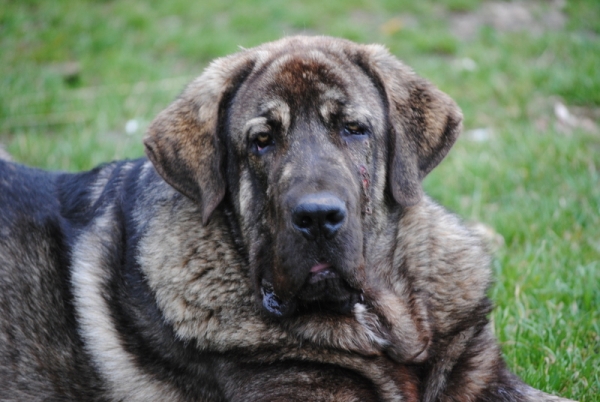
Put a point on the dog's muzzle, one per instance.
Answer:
(318, 218)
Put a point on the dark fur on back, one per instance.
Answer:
(276, 245)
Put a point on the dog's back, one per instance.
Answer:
(41, 353)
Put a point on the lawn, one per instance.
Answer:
(81, 80)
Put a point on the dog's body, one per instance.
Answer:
(276, 246)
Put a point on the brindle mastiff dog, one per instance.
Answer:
(276, 245)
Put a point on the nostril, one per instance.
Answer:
(305, 222)
(333, 222)
(335, 217)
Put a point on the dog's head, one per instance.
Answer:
(310, 140)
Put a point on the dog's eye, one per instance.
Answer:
(354, 129)
(262, 141)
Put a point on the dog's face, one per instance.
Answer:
(306, 133)
(306, 137)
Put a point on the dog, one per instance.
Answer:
(275, 245)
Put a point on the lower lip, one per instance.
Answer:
(319, 268)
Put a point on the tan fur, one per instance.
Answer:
(127, 382)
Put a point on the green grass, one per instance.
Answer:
(535, 182)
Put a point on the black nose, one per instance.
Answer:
(320, 214)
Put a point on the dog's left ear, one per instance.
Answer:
(425, 123)
(183, 140)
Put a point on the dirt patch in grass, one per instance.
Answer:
(552, 112)
(535, 17)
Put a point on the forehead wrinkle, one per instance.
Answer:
(331, 93)
(255, 122)
(332, 99)
(360, 113)
(329, 108)
(276, 109)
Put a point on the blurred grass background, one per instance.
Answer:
(81, 80)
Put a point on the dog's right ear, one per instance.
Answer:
(183, 140)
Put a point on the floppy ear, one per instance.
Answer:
(425, 123)
(183, 140)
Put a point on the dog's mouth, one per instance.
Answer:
(323, 291)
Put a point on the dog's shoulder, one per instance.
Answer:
(441, 238)
(447, 262)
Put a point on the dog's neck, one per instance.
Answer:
(212, 305)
